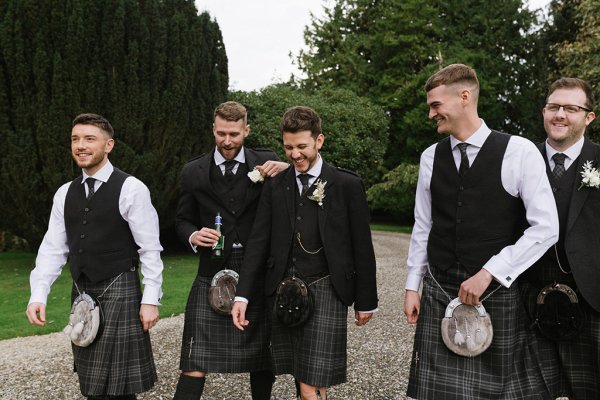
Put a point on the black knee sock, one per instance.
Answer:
(298, 394)
(189, 388)
(123, 397)
(261, 383)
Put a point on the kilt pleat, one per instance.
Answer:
(315, 353)
(508, 369)
(571, 368)
(211, 343)
(120, 361)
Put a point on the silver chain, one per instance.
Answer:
(558, 261)
(450, 298)
(108, 287)
(306, 251)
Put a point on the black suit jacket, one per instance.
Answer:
(199, 203)
(345, 233)
(582, 234)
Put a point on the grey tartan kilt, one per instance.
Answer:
(120, 361)
(508, 369)
(571, 368)
(211, 343)
(314, 353)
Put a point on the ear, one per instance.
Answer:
(320, 140)
(246, 130)
(589, 118)
(110, 143)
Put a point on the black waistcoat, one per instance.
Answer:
(307, 235)
(473, 217)
(100, 242)
(546, 269)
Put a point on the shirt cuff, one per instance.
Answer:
(194, 247)
(152, 295)
(242, 299)
(372, 311)
(413, 282)
(39, 296)
(501, 271)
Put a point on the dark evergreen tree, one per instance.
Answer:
(156, 69)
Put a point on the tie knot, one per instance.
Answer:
(229, 164)
(91, 189)
(304, 179)
(463, 148)
(559, 158)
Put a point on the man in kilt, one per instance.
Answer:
(218, 182)
(569, 333)
(104, 223)
(313, 223)
(482, 217)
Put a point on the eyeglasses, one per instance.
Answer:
(569, 108)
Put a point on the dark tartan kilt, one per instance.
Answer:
(508, 369)
(211, 343)
(119, 361)
(571, 368)
(315, 353)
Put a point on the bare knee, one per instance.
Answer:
(195, 374)
(309, 392)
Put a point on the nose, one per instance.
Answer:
(432, 113)
(560, 113)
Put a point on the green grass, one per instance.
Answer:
(391, 228)
(178, 276)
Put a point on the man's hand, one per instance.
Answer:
(238, 314)
(412, 306)
(272, 168)
(32, 313)
(361, 318)
(148, 316)
(205, 237)
(471, 290)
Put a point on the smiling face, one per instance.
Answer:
(90, 147)
(302, 149)
(565, 129)
(229, 136)
(446, 108)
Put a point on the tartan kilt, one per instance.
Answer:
(571, 368)
(211, 343)
(119, 361)
(508, 369)
(314, 353)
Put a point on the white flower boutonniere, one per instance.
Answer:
(591, 176)
(255, 176)
(319, 194)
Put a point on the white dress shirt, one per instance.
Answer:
(313, 173)
(135, 207)
(523, 175)
(572, 153)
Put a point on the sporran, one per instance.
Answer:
(558, 315)
(294, 302)
(222, 291)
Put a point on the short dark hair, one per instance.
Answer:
(301, 118)
(453, 73)
(231, 111)
(95, 120)
(574, 83)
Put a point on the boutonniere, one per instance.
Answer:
(255, 176)
(319, 194)
(591, 176)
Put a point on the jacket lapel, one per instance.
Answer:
(328, 174)
(288, 188)
(204, 175)
(578, 197)
(253, 188)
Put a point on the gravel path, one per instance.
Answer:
(39, 367)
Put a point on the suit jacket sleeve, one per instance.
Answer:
(187, 208)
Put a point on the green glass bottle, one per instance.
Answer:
(219, 246)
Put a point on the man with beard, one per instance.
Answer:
(561, 289)
(477, 191)
(218, 183)
(312, 224)
(106, 226)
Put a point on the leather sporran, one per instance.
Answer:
(466, 330)
(222, 291)
(294, 302)
(85, 321)
(558, 315)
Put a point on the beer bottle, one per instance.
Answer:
(219, 246)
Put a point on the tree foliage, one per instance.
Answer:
(386, 50)
(396, 194)
(355, 130)
(156, 69)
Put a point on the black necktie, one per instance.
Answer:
(559, 165)
(304, 181)
(90, 184)
(464, 160)
(229, 164)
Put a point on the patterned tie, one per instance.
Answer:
(229, 164)
(559, 165)
(464, 160)
(90, 184)
(304, 181)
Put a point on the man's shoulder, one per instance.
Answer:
(263, 153)
(197, 160)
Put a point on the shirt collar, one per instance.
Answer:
(477, 139)
(102, 174)
(219, 159)
(315, 171)
(572, 152)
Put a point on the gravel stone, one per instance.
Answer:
(40, 367)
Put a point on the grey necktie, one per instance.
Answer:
(464, 160)
(229, 164)
(90, 184)
(559, 165)
(304, 181)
